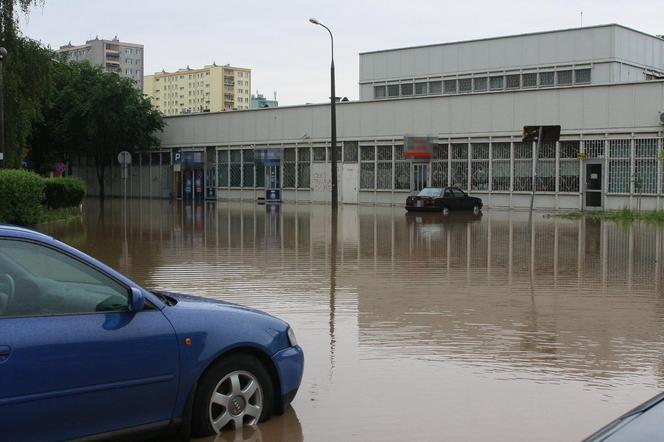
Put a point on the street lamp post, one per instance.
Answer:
(333, 116)
(3, 53)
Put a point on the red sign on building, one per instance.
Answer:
(417, 147)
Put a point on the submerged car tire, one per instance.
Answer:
(445, 210)
(476, 209)
(236, 391)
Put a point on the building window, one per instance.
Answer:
(568, 179)
(546, 79)
(564, 78)
(350, 151)
(367, 168)
(420, 88)
(393, 90)
(529, 80)
(496, 83)
(401, 169)
(619, 165)
(645, 169)
(319, 154)
(479, 166)
(465, 85)
(248, 168)
(546, 168)
(222, 168)
(439, 162)
(582, 76)
(407, 89)
(450, 86)
(479, 84)
(235, 168)
(384, 167)
(289, 168)
(513, 81)
(500, 166)
(523, 166)
(303, 168)
(459, 176)
(435, 88)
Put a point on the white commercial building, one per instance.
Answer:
(603, 85)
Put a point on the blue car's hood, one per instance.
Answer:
(201, 302)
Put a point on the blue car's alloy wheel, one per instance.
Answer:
(235, 392)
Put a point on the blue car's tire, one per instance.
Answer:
(234, 392)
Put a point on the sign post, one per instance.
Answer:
(548, 134)
(124, 158)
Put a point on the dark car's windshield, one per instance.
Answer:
(431, 192)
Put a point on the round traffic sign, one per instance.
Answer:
(124, 158)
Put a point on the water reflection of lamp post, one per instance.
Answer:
(333, 116)
(3, 53)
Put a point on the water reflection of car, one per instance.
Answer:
(441, 199)
(429, 218)
(643, 423)
(86, 352)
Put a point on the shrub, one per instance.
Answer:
(21, 196)
(64, 192)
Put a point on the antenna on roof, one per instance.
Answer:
(581, 18)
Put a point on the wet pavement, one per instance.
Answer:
(427, 327)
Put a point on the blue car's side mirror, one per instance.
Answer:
(136, 300)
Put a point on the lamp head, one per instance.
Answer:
(3, 52)
(314, 21)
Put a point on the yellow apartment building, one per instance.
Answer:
(212, 88)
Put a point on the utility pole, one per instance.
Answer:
(3, 53)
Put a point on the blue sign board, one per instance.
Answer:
(272, 195)
(177, 156)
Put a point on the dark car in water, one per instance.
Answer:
(439, 199)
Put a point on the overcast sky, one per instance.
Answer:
(289, 55)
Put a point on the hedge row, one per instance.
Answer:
(25, 196)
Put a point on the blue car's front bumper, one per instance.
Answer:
(290, 366)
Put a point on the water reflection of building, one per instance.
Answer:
(455, 288)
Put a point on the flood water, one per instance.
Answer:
(417, 327)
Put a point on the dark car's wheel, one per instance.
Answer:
(476, 209)
(236, 391)
(445, 210)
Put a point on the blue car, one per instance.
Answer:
(86, 352)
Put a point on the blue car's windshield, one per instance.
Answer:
(431, 192)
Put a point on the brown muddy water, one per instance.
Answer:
(419, 328)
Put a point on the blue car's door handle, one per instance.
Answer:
(5, 351)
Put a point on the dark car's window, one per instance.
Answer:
(430, 192)
(448, 193)
(458, 193)
(38, 280)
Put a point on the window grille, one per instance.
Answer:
(435, 88)
(248, 168)
(595, 148)
(392, 90)
(402, 175)
(318, 154)
(235, 167)
(407, 89)
(568, 180)
(582, 76)
(367, 167)
(619, 166)
(465, 85)
(564, 78)
(303, 168)
(479, 167)
(449, 86)
(529, 80)
(523, 166)
(339, 153)
(379, 92)
(420, 88)
(350, 151)
(460, 165)
(496, 83)
(500, 166)
(288, 174)
(439, 173)
(546, 168)
(222, 168)
(546, 79)
(479, 84)
(645, 172)
(440, 152)
(384, 167)
(513, 81)
(398, 153)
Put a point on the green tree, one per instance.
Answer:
(25, 79)
(94, 113)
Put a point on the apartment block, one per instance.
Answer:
(126, 59)
(212, 88)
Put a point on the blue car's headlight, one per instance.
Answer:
(291, 337)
